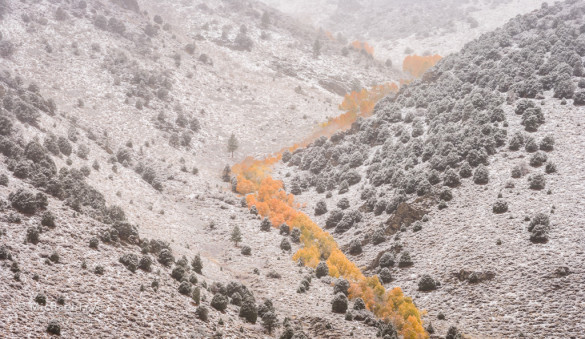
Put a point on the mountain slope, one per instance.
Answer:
(467, 171)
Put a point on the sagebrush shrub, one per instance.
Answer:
(185, 288)
(427, 283)
(322, 270)
(536, 181)
(130, 260)
(500, 206)
(481, 175)
(385, 275)
(405, 260)
(246, 250)
(538, 158)
(165, 257)
(339, 303)
(550, 168)
(24, 201)
(355, 247)
(320, 208)
(219, 302)
(547, 143)
(295, 235)
(386, 260)
(202, 313)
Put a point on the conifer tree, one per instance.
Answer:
(197, 264)
(225, 175)
(232, 144)
(236, 235)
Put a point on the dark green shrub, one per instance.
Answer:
(246, 250)
(196, 295)
(536, 181)
(516, 172)
(178, 272)
(446, 195)
(579, 98)
(197, 263)
(269, 321)
(32, 235)
(481, 175)
(378, 237)
(539, 219)
(320, 208)
(386, 260)
(3, 180)
(94, 242)
(522, 105)
(145, 263)
(41, 299)
(355, 247)
(265, 225)
(5, 125)
(385, 275)
(236, 299)
(48, 219)
(185, 288)
(516, 142)
(343, 203)
(339, 303)
(286, 156)
(285, 245)
(539, 233)
(248, 310)
(23, 201)
(538, 158)
(547, 143)
(500, 206)
(451, 178)
(405, 260)
(358, 304)
(343, 187)
(550, 168)
(5, 253)
(341, 286)
(295, 235)
(202, 313)
(64, 146)
(334, 217)
(564, 89)
(427, 283)
(434, 177)
(130, 260)
(166, 258)
(453, 333)
(284, 229)
(530, 145)
(54, 257)
(417, 226)
(322, 270)
(54, 327)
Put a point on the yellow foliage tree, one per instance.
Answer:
(416, 65)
